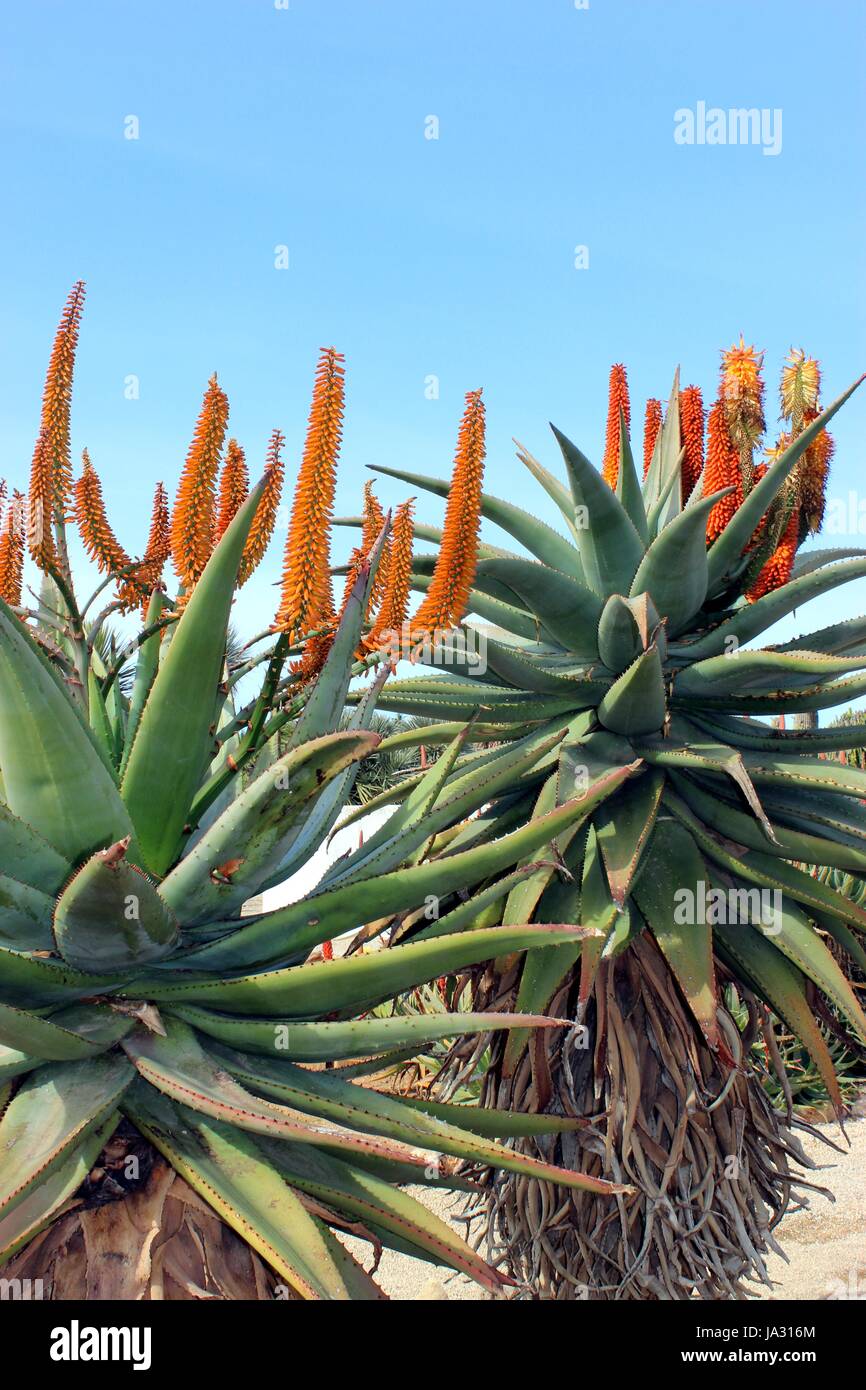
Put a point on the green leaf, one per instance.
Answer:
(738, 825)
(146, 667)
(330, 1042)
(635, 703)
(567, 608)
(674, 569)
(25, 916)
(307, 990)
(664, 469)
(110, 916)
(675, 865)
(394, 840)
(552, 486)
(395, 1216)
(610, 547)
(623, 827)
(255, 831)
(302, 925)
(626, 628)
(34, 861)
(29, 982)
(228, 1169)
(752, 619)
(438, 699)
(323, 815)
(494, 1124)
(628, 487)
(540, 540)
(54, 777)
(70, 1035)
(321, 714)
(36, 1210)
(782, 986)
(99, 720)
(50, 1115)
(327, 1096)
(772, 873)
(173, 731)
(759, 672)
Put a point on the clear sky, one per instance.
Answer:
(261, 126)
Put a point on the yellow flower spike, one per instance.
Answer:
(306, 601)
(234, 485)
(651, 427)
(192, 522)
(692, 435)
(617, 400)
(722, 470)
(799, 388)
(88, 511)
(263, 523)
(445, 601)
(40, 505)
(12, 552)
(57, 398)
(775, 451)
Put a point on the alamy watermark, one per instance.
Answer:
(702, 905)
(738, 125)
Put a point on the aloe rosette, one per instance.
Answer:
(631, 637)
(141, 1011)
(111, 905)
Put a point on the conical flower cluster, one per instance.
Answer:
(617, 403)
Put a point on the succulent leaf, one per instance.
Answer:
(110, 916)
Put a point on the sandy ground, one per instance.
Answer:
(825, 1244)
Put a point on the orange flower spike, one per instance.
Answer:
(374, 517)
(812, 473)
(192, 520)
(652, 426)
(374, 520)
(306, 600)
(57, 399)
(722, 470)
(233, 488)
(395, 600)
(158, 546)
(265, 518)
(692, 435)
(40, 541)
(148, 575)
(445, 601)
(88, 510)
(617, 400)
(12, 552)
(777, 570)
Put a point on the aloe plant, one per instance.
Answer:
(621, 654)
(140, 1013)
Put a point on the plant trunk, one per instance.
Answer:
(158, 1240)
(709, 1158)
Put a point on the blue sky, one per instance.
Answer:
(261, 126)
